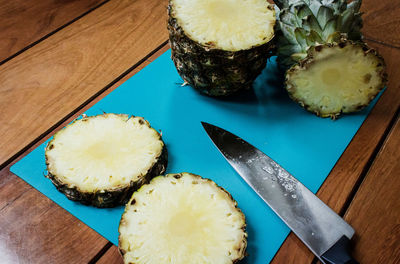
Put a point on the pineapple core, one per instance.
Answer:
(336, 80)
(180, 221)
(230, 25)
(102, 152)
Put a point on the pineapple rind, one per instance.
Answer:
(182, 218)
(331, 100)
(110, 196)
(210, 69)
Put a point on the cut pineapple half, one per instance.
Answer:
(101, 160)
(228, 24)
(337, 78)
(180, 219)
(220, 46)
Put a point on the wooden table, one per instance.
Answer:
(58, 58)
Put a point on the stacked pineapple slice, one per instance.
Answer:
(331, 70)
(220, 46)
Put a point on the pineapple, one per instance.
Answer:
(181, 219)
(331, 70)
(336, 78)
(305, 23)
(220, 46)
(101, 160)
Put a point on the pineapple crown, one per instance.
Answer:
(305, 23)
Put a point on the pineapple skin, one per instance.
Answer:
(242, 245)
(110, 197)
(309, 59)
(213, 71)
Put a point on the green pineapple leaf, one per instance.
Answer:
(324, 15)
(307, 23)
(330, 28)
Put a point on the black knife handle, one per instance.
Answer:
(339, 253)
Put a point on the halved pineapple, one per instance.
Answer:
(100, 160)
(220, 46)
(181, 219)
(336, 78)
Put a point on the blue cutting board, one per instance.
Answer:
(307, 146)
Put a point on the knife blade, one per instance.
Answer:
(324, 232)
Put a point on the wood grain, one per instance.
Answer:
(24, 22)
(375, 210)
(344, 176)
(112, 256)
(33, 229)
(56, 76)
(382, 21)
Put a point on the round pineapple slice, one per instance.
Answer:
(101, 160)
(180, 219)
(220, 46)
(337, 78)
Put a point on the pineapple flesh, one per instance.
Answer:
(336, 78)
(220, 46)
(101, 160)
(180, 219)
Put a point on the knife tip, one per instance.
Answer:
(207, 127)
(204, 124)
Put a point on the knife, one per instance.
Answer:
(324, 232)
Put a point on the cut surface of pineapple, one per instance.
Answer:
(336, 78)
(179, 219)
(226, 24)
(103, 153)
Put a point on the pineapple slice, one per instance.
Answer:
(101, 160)
(336, 78)
(220, 46)
(180, 219)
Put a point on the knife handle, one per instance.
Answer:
(339, 253)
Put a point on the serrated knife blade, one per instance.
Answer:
(324, 232)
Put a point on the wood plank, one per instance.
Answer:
(382, 21)
(375, 210)
(112, 256)
(15, 194)
(347, 171)
(24, 22)
(59, 74)
(33, 229)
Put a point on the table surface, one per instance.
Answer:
(58, 58)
